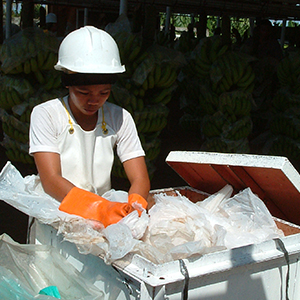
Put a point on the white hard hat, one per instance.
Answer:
(89, 50)
(51, 18)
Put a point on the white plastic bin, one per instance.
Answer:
(264, 271)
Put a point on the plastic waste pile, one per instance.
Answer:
(173, 228)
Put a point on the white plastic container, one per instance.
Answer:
(265, 271)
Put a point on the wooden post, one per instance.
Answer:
(149, 26)
(1, 20)
(202, 24)
(282, 37)
(42, 16)
(8, 19)
(168, 17)
(27, 14)
(226, 29)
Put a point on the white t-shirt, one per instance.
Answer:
(49, 119)
(48, 130)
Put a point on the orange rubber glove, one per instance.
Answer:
(91, 206)
(132, 198)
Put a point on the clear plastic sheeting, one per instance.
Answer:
(174, 228)
(179, 228)
(27, 195)
(114, 242)
(25, 270)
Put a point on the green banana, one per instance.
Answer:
(33, 64)
(26, 67)
(172, 78)
(166, 72)
(161, 95)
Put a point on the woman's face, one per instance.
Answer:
(87, 99)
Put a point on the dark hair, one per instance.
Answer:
(87, 79)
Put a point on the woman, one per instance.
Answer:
(73, 139)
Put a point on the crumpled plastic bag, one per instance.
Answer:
(27, 195)
(246, 220)
(179, 228)
(174, 228)
(27, 269)
(11, 287)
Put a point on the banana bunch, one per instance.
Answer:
(239, 130)
(215, 144)
(197, 100)
(118, 169)
(15, 129)
(22, 111)
(149, 118)
(17, 152)
(25, 115)
(144, 90)
(207, 51)
(150, 112)
(285, 146)
(9, 99)
(29, 50)
(27, 62)
(49, 80)
(185, 43)
(14, 91)
(231, 72)
(154, 81)
(131, 52)
(42, 61)
(162, 38)
(152, 149)
(219, 144)
(148, 79)
(126, 98)
(213, 125)
(162, 75)
(235, 104)
(288, 72)
(207, 101)
(284, 99)
(190, 123)
(154, 124)
(218, 125)
(161, 96)
(210, 128)
(28, 78)
(285, 125)
(16, 155)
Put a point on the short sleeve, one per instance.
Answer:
(43, 130)
(128, 144)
